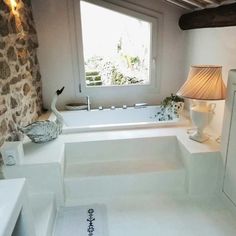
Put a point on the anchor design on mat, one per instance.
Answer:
(90, 220)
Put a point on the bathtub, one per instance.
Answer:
(108, 119)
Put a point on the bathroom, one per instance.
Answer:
(137, 185)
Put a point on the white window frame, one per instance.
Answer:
(155, 18)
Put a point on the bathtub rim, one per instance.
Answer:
(125, 126)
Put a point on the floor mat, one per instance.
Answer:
(81, 221)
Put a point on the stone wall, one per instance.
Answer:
(20, 79)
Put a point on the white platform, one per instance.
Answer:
(167, 215)
(119, 163)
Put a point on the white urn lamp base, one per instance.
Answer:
(200, 114)
(199, 137)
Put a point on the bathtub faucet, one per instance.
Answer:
(140, 105)
(88, 103)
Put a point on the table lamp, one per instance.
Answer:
(204, 83)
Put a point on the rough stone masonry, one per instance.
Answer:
(20, 79)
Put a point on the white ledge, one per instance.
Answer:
(53, 151)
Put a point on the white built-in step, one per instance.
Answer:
(160, 180)
(44, 213)
(123, 167)
(119, 167)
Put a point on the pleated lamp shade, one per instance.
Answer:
(204, 83)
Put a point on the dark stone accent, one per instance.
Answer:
(11, 126)
(3, 127)
(13, 103)
(6, 89)
(14, 118)
(11, 54)
(27, 3)
(34, 83)
(36, 61)
(13, 27)
(24, 76)
(38, 76)
(15, 80)
(22, 56)
(32, 108)
(1, 143)
(21, 41)
(26, 89)
(2, 45)
(31, 64)
(32, 44)
(1, 55)
(5, 71)
(17, 68)
(2, 101)
(24, 24)
(4, 31)
(38, 90)
(25, 110)
(4, 7)
(32, 29)
(3, 109)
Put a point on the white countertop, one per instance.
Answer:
(43, 153)
(11, 201)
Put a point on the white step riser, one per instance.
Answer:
(159, 182)
(164, 148)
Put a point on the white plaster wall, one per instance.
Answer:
(54, 53)
(212, 46)
(55, 56)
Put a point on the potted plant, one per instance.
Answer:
(171, 107)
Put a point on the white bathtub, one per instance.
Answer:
(107, 119)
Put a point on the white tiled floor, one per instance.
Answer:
(154, 215)
(74, 221)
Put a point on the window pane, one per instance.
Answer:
(116, 47)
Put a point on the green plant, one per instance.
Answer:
(167, 101)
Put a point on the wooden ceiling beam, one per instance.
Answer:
(179, 4)
(211, 1)
(194, 3)
(224, 15)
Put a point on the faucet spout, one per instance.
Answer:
(88, 103)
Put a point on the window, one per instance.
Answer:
(118, 45)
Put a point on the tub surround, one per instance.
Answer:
(20, 79)
(200, 162)
(81, 169)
